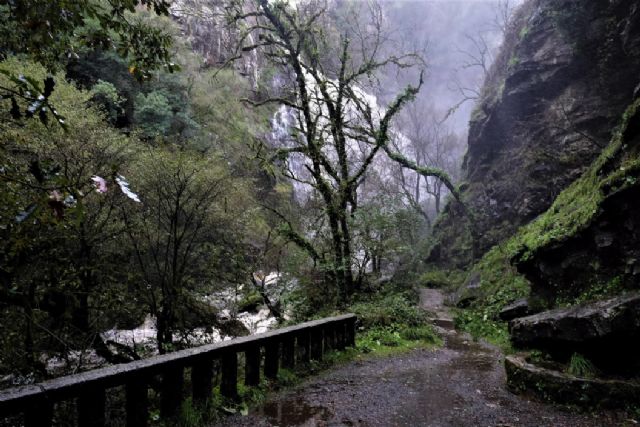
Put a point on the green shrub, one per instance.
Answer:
(421, 333)
(388, 311)
(442, 279)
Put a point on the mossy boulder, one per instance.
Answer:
(556, 386)
(606, 332)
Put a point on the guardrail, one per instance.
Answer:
(281, 347)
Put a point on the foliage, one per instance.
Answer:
(153, 114)
(391, 323)
(476, 322)
(388, 310)
(57, 249)
(442, 279)
(55, 29)
(106, 95)
(596, 291)
(177, 232)
(50, 32)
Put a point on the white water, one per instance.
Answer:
(143, 337)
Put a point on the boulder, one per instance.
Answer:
(560, 387)
(607, 332)
(516, 309)
(467, 293)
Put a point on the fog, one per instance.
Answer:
(449, 31)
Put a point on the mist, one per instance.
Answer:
(448, 32)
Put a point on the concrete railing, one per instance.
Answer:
(281, 347)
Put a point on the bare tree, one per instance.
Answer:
(432, 144)
(335, 119)
(171, 233)
(503, 13)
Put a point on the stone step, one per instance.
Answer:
(443, 322)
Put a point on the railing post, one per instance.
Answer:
(202, 380)
(91, 407)
(171, 395)
(351, 332)
(299, 343)
(40, 415)
(316, 343)
(329, 337)
(288, 352)
(252, 365)
(137, 405)
(303, 346)
(271, 358)
(229, 368)
(340, 336)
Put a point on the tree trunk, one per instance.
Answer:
(346, 256)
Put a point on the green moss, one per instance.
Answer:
(596, 291)
(444, 279)
(575, 209)
(501, 89)
(513, 62)
(250, 301)
(577, 206)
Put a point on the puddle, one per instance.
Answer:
(473, 355)
(293, 412)
(474, 361)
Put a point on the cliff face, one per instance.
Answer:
(566, 73)
(204, 26)
(586, 245)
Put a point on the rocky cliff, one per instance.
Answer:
(586, 245)
(566, 73)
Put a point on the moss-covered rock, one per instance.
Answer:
(587, 245)
(542, 119)
(556, 386)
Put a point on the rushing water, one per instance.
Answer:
(143, 337)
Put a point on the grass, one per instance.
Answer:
(580, 366)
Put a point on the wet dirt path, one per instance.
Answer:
(460, 384)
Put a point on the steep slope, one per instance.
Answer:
(567, 71)
(586, 245)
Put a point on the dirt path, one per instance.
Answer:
(461, 384)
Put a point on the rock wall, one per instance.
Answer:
(204, 26)
(587, 245)
(566, 73)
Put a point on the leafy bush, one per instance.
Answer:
(392, 323)
(391, 310)
(444, 279)
(106, 95)
(479, 325)
(421, 333)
